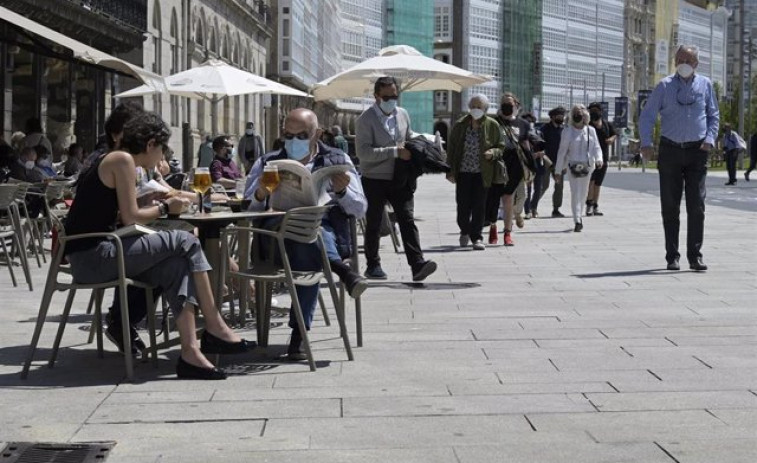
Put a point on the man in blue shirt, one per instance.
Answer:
(689, 119)
(731, 148)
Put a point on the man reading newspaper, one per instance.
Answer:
(333, 180)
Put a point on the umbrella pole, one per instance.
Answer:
(214, 116)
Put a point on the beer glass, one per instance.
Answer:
(270, 179)
(201, 184)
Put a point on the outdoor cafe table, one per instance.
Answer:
(209, 225)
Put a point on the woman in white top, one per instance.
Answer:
(577, 157)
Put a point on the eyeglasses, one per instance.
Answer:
(685, 96)
(299, 136)
(390, 97)
(228, 146)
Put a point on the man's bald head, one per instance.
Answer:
(301, 120)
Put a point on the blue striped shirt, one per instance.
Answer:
(688, 111)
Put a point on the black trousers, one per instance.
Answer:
(682, 171)
(752, 161)
(378, 193)
(731, 156)
(493, 201)
(534, 190)
(470, 196)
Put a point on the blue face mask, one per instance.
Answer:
(388, 106)
(297, 149)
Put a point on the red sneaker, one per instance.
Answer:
(508, 239)
(493, 234)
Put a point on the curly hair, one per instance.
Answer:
(139, 130)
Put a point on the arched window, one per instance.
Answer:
(200, 29)
(212, 40)
(157, 41)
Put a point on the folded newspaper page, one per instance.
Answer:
(298, 187)
(153, 186)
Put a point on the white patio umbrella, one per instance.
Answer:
(415, 71)
(213, 81)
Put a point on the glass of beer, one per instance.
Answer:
(201, 183)
(270, 179)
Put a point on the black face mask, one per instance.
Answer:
(559, 120)
(578, 118)
(507, 109)
(595, 116)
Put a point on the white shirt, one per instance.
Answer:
(578, 145)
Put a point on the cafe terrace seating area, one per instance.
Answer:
(227, 232)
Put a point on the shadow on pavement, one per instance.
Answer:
(626, 273)
(426, 286)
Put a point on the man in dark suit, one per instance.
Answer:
(381, 132)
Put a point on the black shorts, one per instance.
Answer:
(598, 176)
(514, 173)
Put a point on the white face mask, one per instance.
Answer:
(29, 165)
(249, 131)
(685, 70)
(477, 113)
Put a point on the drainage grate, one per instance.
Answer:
(35, 452)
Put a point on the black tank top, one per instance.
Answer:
(94, 209)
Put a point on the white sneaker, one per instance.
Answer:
(464, 240)
(479, 245)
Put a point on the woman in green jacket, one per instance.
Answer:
(474, 153)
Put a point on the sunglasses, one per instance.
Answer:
(299, 136)
(389, 97)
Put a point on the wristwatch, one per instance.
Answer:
(163, 208)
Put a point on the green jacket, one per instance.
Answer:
(490, 137)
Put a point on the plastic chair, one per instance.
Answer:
(301, 225)
(15, 225)
(35, 240)
(53, 284)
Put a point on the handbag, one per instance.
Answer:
(581, 169)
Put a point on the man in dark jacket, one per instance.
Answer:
(606, 136)
(250, 146)
(552, 132)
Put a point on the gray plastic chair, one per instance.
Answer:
(53, 284)
(14, 224)
(301, 225)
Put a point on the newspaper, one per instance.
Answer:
(298, 187)
(153, 186)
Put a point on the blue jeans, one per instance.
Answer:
(307, 257)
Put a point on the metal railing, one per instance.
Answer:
(129, 12)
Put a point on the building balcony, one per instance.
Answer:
(112, 26)
(131, 13)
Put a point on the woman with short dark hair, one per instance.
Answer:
(172, 260)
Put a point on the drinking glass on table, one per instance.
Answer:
(240, 187)
(201, 183)
(270, 180)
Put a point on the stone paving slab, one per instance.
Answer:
(568, 347)
(543, 452)
(709, 450)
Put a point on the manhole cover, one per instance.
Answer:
(35, 452)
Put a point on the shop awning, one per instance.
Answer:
(84, 52)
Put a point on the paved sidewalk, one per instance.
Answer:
(568, 347)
